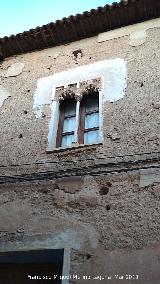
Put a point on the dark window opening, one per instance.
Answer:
(28, 267)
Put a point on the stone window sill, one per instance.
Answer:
(74, 147)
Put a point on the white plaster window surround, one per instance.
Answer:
(113, 76)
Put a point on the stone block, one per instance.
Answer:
(149, 176)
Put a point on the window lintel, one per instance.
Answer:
(78, 90)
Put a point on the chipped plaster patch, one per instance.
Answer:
(4, 94)
(14, 70)
(42, 95)
(113, 73)
(137, 33)
(138, 38)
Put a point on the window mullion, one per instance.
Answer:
(60, 127)
(77, 121)
(81, 123)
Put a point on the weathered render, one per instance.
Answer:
(99, 202)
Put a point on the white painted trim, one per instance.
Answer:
(53, 126)
(101, 116)
(66, 265)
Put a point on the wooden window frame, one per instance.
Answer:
(82, 130)
(62, 117)
(81, 122)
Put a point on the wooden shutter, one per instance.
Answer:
(67, 122)
(89, 119)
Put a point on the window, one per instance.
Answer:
(67, 122)
(36, 266)
(89, 119)
(78, 121)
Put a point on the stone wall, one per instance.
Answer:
(103, 200)
(99, 220)
(130, 124)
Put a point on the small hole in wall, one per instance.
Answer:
(20, 135)
(25, 112)
(45, 190)
(28, 91)
(88, 256)
(77, 53)
(90, 57)
(108, 207)
(142, 84)
(104, 190)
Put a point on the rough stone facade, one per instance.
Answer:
(103, 200)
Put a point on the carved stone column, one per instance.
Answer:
(90, 86)
(68, 92)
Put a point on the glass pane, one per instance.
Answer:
(91, 137)
(69, 124)
(69, 107)
(92, 120)
(92, 102)
(67, 140)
